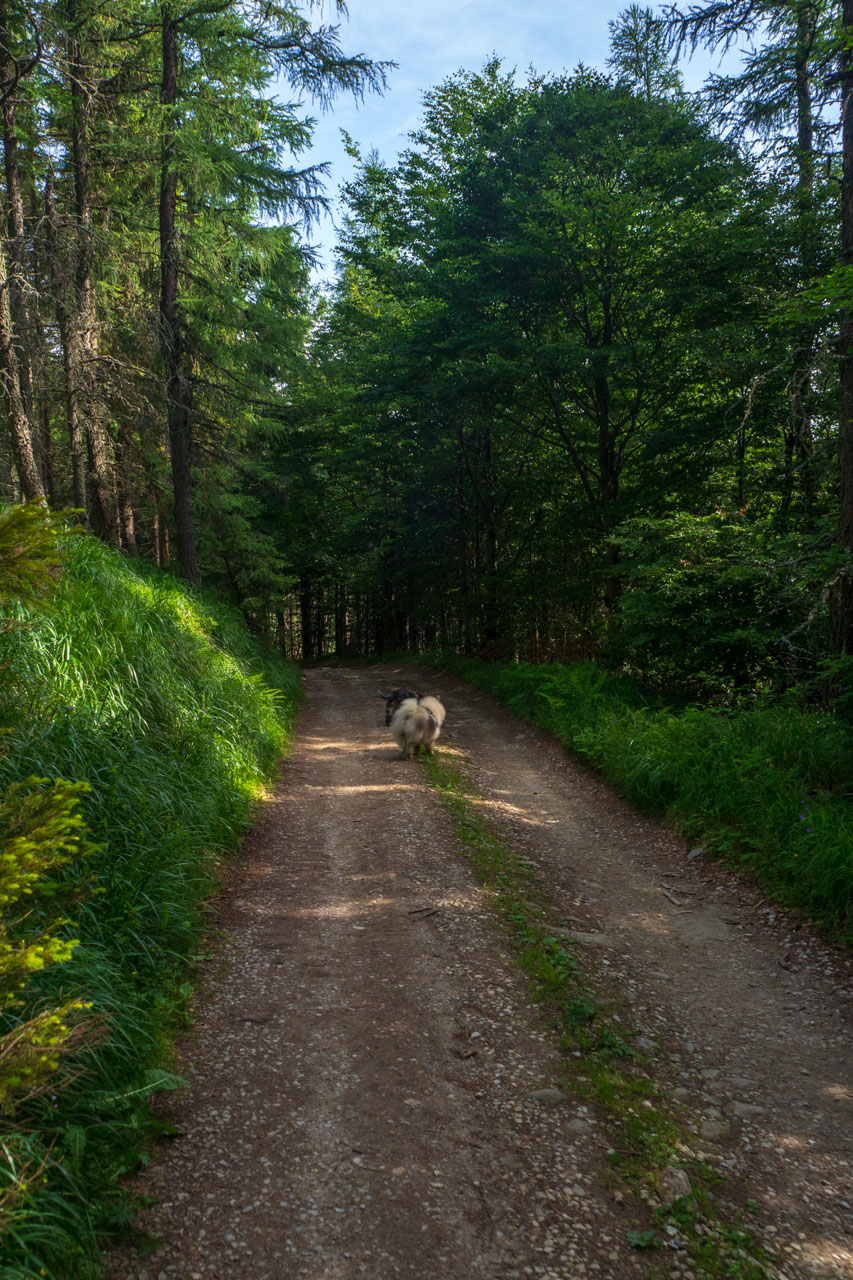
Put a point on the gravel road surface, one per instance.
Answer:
(365, 1063)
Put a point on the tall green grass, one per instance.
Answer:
(769, 788)
(162, 702)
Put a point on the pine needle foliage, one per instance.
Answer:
(40, 832)
(29, 553)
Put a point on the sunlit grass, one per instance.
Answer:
(161, 701)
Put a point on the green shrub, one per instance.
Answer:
(40, 832)
(30, 557)
(709, 601)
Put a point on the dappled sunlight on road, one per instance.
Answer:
(791, 1142)
(344, 910)
(820, 1250)
(357, 876)
(362, 789)
(348, 748)
(356, 908)
(657, 923)
(501, 806)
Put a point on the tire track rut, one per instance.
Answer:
(362, 1062)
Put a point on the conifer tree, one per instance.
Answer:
(640, 55)
(779, 100)
(841, 599)
(18, 57)
(225, 146)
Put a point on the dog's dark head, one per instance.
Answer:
(393, 701)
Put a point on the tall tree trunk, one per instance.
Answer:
(340, 618)
(70, 360)
(610, 477)
(806, 19)
(490, 582)
(320, 632)
(83, 343)
(41, 360)
(128, 523)
(22, 436)
(841, 600)
(306, 617)
(15, 212)
(609, 465)
(164, 553)
(160, 535)
(178, 384)
(14, 360)
(799, 445)
(45, 435)
(388, 637)
(490, 577)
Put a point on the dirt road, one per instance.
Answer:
(365, 1066)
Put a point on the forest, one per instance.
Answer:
(574, 420)
(581, 388)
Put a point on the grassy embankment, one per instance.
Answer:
(163, 704)
(768, 788)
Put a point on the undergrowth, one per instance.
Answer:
(769, 788)
(159, 701)
(600, 1062)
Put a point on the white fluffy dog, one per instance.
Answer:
(417, 723)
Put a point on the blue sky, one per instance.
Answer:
(429, 40)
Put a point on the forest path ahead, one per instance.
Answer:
(361, 1071)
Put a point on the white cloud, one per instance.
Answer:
(430, 40)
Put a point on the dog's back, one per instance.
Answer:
(435, 706)
(417, 723)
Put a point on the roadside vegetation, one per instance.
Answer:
(140, 721)
(766, 787)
